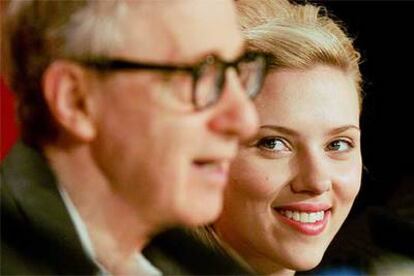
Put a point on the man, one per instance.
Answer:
(130, 113)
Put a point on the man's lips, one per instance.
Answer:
(213, 170)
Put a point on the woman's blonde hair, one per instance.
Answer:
(298, 36)
(209, 237)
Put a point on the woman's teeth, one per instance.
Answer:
(303, 216)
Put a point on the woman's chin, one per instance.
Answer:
(287, 266)
(304, 264)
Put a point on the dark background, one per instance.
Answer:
(383, 33)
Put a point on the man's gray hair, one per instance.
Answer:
(36, 32)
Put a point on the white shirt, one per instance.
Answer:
(144, 266)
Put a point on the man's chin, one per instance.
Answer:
(203, 212)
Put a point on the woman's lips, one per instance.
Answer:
(307, 219)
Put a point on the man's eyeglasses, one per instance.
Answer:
(208, 75)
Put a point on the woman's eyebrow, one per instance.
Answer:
(292, 132)
(281, 129)
(343, 129)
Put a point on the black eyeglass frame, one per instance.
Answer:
(119, 64)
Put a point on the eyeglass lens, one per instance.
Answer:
(210, 81)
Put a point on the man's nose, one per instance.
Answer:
(235, 114)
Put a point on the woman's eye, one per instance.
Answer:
(272, 144)
(340, 145)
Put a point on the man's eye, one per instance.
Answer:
(340, 146)
(272, 144)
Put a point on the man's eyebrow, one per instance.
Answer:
(242, 49)
(241, 52)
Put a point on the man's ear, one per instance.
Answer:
(66, 93)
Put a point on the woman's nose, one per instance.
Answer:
(313, 174)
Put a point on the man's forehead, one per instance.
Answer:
(186, 29)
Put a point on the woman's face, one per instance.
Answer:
(293, 185)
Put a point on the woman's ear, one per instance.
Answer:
(65, 89)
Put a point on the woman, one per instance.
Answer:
(292, 186)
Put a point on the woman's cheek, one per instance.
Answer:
(347, 182)
(255, 178)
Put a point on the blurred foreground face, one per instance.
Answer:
(292, 186)
(163, 156)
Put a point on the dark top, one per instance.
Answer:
(38, 236)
